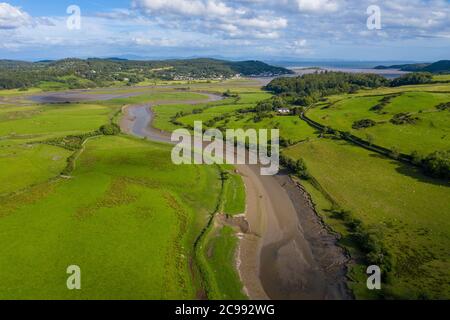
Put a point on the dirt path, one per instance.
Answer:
(288, 253)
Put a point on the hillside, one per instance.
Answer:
(78, 73)
(442, 66)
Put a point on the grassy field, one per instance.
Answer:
(291, 127)
(233, 195)
(130, 227)
(428, 133)
(25, 165)
(127, 216)
(392, 198)
(48, 121)
(164, 113)
(219, 256)
(441, 77)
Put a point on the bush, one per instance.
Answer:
(71, 143)
(443, 106)
(384, 102)
(197, 111)
(298, 167)
(412, 78)
(403, 118)
(364, 123)
(437, 164)
(370, 242)
(109, 129)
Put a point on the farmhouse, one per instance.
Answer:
(284, 111)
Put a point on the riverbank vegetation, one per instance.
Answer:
(148, 214)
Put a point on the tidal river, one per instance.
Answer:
(288, 253)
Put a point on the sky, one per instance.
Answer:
(291, 30)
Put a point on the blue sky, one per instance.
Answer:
(411, 30)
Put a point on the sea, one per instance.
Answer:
(307, 67)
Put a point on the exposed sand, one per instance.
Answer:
(287, 253)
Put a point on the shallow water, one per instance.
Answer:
(299, 258)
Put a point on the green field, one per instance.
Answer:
(234, 195)
(190, 113)
(394, 199)
(219, 255)
(48, 121)
(126, 215)
(429, 133)
(25, 165)
(130, 227)
(291, 127)
(129, 217)
(441, 77)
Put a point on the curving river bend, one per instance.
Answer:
(288, 253)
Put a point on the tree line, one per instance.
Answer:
(310, 88)
(78, 73)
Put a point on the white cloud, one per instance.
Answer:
(12, 17)
(232, 19)
(143, 41)
(300, 27)
(317, 6)
(183, 7)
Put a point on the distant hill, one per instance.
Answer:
(442, 66)
(103, 72)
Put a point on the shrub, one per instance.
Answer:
(443, 106)
(384, 102)
(369, 240)
(437, 164)
(229, 94)
(298, 167)
(403, 118)
(197, 111)
(364, 123)
(109, 129)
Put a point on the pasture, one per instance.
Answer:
(429, 131)
(408, 210)
(128, 217)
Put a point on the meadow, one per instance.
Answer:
(408, 211)
(126, 215)
(130, 227)
(130, 219)
(427, 132)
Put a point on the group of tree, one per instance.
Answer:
(412, 79)
(436, 164)
(310, 88)
(103, 72)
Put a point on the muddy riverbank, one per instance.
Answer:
(287, 252)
